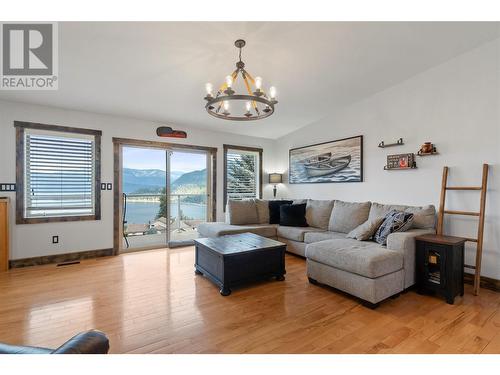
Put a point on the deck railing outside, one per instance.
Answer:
(192, 209)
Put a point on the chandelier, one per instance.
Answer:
(226, 104)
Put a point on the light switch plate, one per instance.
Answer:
(7, 187)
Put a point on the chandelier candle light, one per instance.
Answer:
(255, 104)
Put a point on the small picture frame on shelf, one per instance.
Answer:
(401, 161)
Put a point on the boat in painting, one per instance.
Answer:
(327, 167)
(322, 158)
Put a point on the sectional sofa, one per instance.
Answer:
(365, 269)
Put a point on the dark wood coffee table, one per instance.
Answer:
(240, 258)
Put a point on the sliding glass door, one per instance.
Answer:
(187, 194)
(165, 196)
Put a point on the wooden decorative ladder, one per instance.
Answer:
(480, 214)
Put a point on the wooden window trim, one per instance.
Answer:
(20, 163)
(162, 145)
(242, 148)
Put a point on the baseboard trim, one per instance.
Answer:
(59, 258)
(485, 282)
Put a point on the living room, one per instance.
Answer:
(243, 187)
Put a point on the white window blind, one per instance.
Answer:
(242, 170)
(59, 175)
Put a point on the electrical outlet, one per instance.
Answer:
(55, 239)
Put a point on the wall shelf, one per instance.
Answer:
(399, 142)
(399, 168)
(433, 152)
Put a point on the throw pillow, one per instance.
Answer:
(394, 221)
(366, 230)
(293, 215)
(274, 210)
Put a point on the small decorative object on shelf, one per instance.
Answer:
(167, 131)
(440, 265)
(427, 149)
(399, 142)
(400, 161)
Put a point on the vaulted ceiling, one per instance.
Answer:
(157, 70)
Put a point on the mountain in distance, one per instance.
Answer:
(150, 181)
(190, 182)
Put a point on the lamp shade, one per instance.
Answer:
(275, 178)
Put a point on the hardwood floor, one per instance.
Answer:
(151, 302)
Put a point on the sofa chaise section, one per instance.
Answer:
(366, 269)
(363, 258)
(361, 268)
(370, 291)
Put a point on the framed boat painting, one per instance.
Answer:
(335, 161)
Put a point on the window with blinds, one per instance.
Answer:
(60, 175)
(242, 174)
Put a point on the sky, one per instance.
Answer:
(149, 158)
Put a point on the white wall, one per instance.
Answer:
(456, 106)
(36, 239)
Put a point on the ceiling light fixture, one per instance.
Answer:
(255, 105)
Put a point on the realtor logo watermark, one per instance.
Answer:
(29, 56)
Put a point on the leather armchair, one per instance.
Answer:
(90, 342)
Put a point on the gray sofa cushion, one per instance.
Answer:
(242, 212)
(221, 229)
(295, 247)
(311, 237)
(380, 210)
(366, 230)
(372, 290)
(318, 213)
(423, 217)
(262, 206)
(364, 258)
(295, 233)
(348, 215)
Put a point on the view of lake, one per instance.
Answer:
(143, 212)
